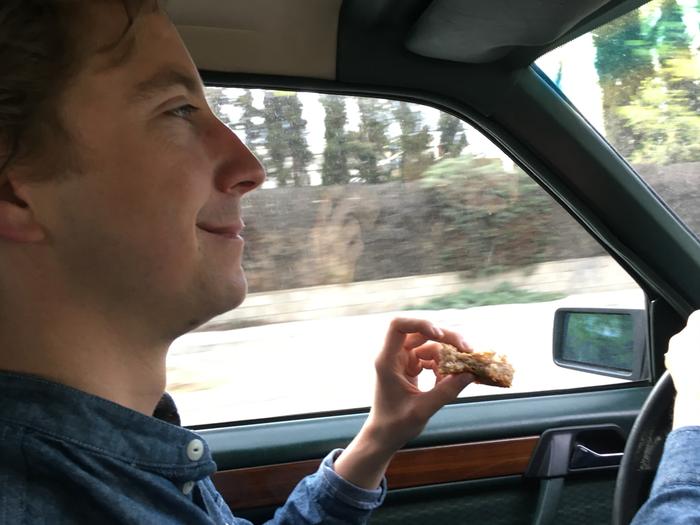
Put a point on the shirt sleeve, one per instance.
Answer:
(675, 494)
(325, 497)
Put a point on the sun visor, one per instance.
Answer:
(481, 31)
(274, 37)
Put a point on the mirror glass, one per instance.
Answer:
(599, 339)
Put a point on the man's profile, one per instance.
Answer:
(120, 230)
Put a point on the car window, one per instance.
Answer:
(374, 209)
(637, 80)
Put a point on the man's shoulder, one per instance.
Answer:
(27, 495)
(12, 436)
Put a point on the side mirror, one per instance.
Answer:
(610, 342)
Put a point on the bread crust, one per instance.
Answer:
(489, 368)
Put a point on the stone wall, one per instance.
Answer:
(312, 236)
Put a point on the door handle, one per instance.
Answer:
(571, 449)
(584, 457)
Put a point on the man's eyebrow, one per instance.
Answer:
(163, 80)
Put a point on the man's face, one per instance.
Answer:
(149, 226)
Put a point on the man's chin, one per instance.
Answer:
(216, 303)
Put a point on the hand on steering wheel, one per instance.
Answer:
(646, 440)
(683, 362)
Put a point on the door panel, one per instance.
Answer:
(503, 501)
(586, 500)
(467, 463)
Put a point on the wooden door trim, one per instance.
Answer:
(271, 484)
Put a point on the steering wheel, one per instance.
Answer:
(643, 451)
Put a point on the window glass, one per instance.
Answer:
(637, 80)
(374, 209)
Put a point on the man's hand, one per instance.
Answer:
(683, 362)
(400, 410)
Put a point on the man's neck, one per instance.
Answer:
(86, 354)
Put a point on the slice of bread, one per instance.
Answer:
(489, 368)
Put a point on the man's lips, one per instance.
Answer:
(231, 231)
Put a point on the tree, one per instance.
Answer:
(679, 67)
(669, 129)
(277, 149)
(249, 121)
(666, 109)
(414, 142)
(287, 152)
(298, 146)
(218, 99)
(368, 146)
(452, 137)
(623, 62)
(335, 155)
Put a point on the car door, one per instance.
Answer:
(484, 217)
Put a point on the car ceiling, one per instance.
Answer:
(276, 37)
(301, 38)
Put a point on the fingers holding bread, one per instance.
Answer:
(488, 367)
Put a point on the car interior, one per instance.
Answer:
(566, 454)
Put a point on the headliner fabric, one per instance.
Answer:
(281, 37)
(479, 31)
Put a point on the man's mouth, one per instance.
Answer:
(229, 231)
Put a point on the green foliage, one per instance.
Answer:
(679, 68)
(624, 62)
(489, 219)
(504, 293)
(666, 108)
(669, 128)
(650, 80)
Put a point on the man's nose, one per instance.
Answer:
(240, 171)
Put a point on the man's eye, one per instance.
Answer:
(185, 111)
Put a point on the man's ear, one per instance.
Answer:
(17, 220)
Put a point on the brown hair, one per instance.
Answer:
(39, 53)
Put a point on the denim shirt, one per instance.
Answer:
(675, 494)
(67, 457)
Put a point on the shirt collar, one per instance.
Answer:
(103, 428)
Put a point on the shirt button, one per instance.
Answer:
(195, 449)
(187, 487)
